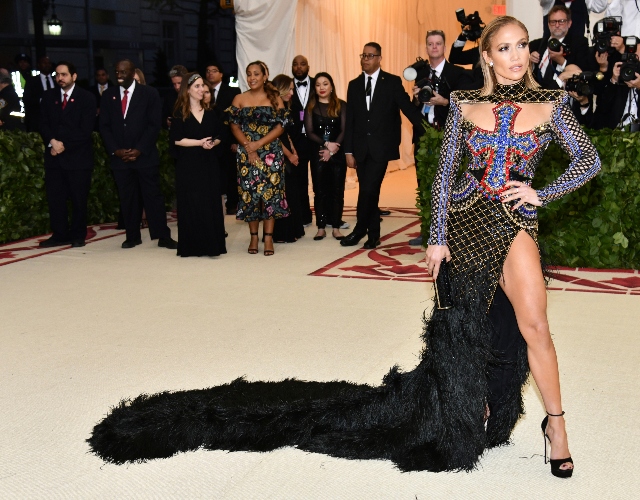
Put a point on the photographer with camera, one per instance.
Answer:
(472, 27)
(551, 55)
(629, 10)
(581, 86)
(434, 83)
(617, 103)
(579, 13)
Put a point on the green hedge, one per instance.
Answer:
(596, 226)
(23, 201)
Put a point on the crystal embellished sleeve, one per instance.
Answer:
(584, 160)
(450, 157)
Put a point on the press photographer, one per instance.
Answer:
(551, 55)
(617, 103)
(581, 86)
(608, 45)
(435, 80)
(471, 26)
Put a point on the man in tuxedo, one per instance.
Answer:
(549, 64)
(67, 114)
(33, 90)
(130, 118)
(176, 73)
(303, 88)
(222, 97)
(372, 137)
(102, 84)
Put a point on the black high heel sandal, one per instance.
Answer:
(268, 252)
(253, 251)
(555, 463)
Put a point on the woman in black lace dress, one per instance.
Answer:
(325, 122)
(465, 395)
(195, 131)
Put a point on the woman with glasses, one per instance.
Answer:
(195, 132)
(288, 229)
(258, 118)
(325, 123)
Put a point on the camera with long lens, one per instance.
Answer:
(583, 84)
(603, 31)
(471, 25)
(630, 63)
(556, 45)
(411, 72)
(427, 85)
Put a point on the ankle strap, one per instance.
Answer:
(552, 415)
(267, 234)
(253, 234)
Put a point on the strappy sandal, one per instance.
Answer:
(268, 252)
(251, 250)
(555, 463)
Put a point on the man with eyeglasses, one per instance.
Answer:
(548, 64)
(372, 137)
(221, 96)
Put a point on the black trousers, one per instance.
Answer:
(304, 148)
(133, 182)
(370, 176)
(328, 183)
(63, 186)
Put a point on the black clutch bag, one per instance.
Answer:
(442, 285)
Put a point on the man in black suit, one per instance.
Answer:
(34, 87)
(549, 64)
(222, 97)
(617, 103)
(372, 137)
(102, 84)
(66, 122)
(444, 77)
(130, 123)
(303, 88)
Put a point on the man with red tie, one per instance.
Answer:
(130, 116)
(66, 121)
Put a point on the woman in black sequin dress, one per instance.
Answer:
(465, 395)
(325, 122)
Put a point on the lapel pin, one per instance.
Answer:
(71, 100)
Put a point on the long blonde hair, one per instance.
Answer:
(484, 45)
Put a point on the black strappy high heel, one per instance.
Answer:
(555, 463)
(252, 250)
(268, 252)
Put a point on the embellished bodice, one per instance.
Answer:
(498, 156)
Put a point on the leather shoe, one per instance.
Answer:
(351, 239)
(131, 243)
(371, 243)
(77, 243)
(169, 243)
(385, 212)
(52, 243)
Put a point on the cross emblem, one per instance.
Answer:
(504, 147)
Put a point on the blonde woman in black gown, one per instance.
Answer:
(465, 395)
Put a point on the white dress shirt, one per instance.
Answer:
(102, 88)
(374, 79)
(68, 92)
(430, 111)
(216, 89)
(130, 89)
(545, 60)
(46, 81)
(303, 94)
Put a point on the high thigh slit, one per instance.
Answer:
(429, 418)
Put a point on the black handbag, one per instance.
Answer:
(442, 285)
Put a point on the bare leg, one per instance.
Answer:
(268, 225)
(523, 284)
(253, 230)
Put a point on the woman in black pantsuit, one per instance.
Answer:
(325, 123)
(194, 133)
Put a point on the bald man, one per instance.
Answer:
(130, 116)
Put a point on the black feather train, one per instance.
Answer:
(431, 418)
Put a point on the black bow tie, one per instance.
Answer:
(302, 84)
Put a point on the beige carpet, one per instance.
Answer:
(82, 328)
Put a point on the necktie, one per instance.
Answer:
(64, 101)
(50, 80)
(124, 103)
(302, 84)
(101, 89)
(368, 89)
(214, 97)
